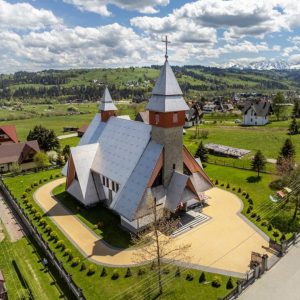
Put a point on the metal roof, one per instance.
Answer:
(167, 95)
(106, 102)
(121, 145)
(175, 190)
(131, 194)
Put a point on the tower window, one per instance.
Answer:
(174, 166)
(156, 118)
(175, 118)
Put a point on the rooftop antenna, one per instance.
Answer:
(166, 42)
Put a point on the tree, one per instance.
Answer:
(258, 162)
(293, 129)
(46, 138)
(202, 152)
(296, 109)
(286, 158)
(41, 160)
(66, 152)
(157, 244)
(15, 167)
(60, 160)
(278, 106)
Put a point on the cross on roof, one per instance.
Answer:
(167, 42)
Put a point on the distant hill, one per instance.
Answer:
(137, 83)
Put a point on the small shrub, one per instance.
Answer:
(253, 215)
(258, 218)
(189, 277)
(270, 227)
(42, 222)
(103, 272)
(216, 282)
(25, 201)
(33, 210)
(239, 190)
(59, 243)
(153, 266)
(91, 270)
(45, 179)
(233, 188)
(128, 273)
(216, 182)
(115, 275)
(244, 193)
(53, 236)
(177, 273)
(82, 267)
(247, 196)
(141, 271)
(276, 233)
(229, 284)
(24, 195)
(28, 190)
(227, 186)
(38, 216)
(202, 277)
(248, 210)
(75, 261)
(264, 223)
(166, 271)
(250, 201)
(68, 251)
(51, 177)
(35, 183)
(40, 181)
(29, 206)
(283, 237)
(57, 175)
(222, 184)
(48, 229)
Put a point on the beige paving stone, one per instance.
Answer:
(225, 242)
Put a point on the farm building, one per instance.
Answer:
(193, 116)
(130, 166)
(256, 113)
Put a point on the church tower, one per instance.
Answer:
(107, 108)
(167, 116)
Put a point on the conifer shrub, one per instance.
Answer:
(227, 186)
(128, 273)
(68, 252)
(24, 195)
(75, 261)
(166, 271)
(264, 223)
(270, 227)
(283, 237)
(202, 277)
(229, 284)
(239, 190)
(59, 244)
(38, 216)
(103, 272)
(42, 222)
(28, 189)
(91, 270)
(250, 201)
(54, 236)
(189, 277)
(83, 266)
(253, 215)
(216, 182)
(141, 271)
(177, 273)
(258, 218)
(276, 233)
(35, 183)
(48, 229)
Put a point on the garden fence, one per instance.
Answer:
(31, 229)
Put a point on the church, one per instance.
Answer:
(129, 165)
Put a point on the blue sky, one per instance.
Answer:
(43, 34)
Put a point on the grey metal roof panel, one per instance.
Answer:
(175, 190)
(167, 103)
(106, 102)
(166, 83)
(130, 197)
(121, 145)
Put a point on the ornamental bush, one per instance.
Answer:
(248, 210)
(54, 236)
(258, 218)
(28, 189)
(202, 277)
(103, 272)
(216, 282)
(35, 183)
(59, 243)
(141, 271)
(42, 222)
(128, 273)
(25, 201)
(239, 190)
(24, 195)
(216, 182)
(82, 267)
(227, 186)
(91, 270)
(276, 233)
(48, 229)
(229, 284)
(33, 210)
(189, 277)
(264, 223)
(75, 261)
(270, 227)
(253, 215)
(41, 181)
(250, 201)
(68, 252)
(115, 275)
(38, 216)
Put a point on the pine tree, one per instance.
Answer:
(286, 158)
(288, 149)
(296, 109)
(202, 152)
(293, 129)
(258, 162)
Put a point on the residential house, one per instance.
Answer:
(194, 115)
(8, 134)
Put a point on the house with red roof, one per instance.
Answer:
(8, 134)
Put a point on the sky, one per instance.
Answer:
(64, 34)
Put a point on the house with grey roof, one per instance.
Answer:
(256, 113)
(130, 166)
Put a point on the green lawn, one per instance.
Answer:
(72, 142)
(97, 287)
(24, 272)
(109, 230)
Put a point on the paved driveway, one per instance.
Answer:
(223, 244)
(281, 282)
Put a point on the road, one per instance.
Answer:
(66, 136)
(281, 282)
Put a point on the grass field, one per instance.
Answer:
(24, 273)
(97, 287)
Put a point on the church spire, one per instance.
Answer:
(107, 107)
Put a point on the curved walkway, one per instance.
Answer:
(221, 245)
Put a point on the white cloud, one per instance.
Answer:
(100, 6)
(25, 16)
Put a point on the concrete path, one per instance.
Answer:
(66, 136)
(221, 245)
(281, 282)
(12, 227)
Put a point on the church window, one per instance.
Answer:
(156, 118)
(103, 180)
(107, 182)
(113, 185)
(174, 166)
(117, 187)
(175, 118)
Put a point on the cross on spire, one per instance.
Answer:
(166, 42)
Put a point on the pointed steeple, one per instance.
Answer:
(167, 95)
(107, 107)
(106, 103)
